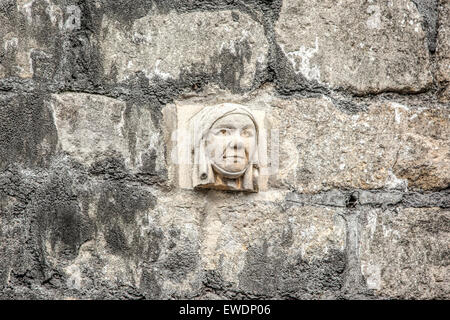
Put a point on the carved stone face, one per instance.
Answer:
(231, 143)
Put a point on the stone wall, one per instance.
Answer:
(358, 90)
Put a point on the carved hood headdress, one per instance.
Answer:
(203, 173)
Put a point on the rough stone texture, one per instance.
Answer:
(89, 207)
(93, 128)
(389, 146)
(429, 9)
(81, 236)
(35, 34)
(27, 132)
(321, 147)
(405, 252)
(331, 198)
(443, 51)
(64, 232)
(427, 199)
(271, 252)
(226, 43)
(365, 47)
(380, 198)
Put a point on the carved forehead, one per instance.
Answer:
(234, 120)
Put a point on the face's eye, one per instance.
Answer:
(222, 132)
(247, 133)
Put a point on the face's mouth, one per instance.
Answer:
(233, 157)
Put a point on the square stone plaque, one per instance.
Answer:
(222, 147)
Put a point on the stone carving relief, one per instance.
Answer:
(225, 144)
(222, 147)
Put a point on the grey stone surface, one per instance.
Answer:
(404, 252)
(428, 199)
(332, 198)
(429, 11)
(269, 252)
(389, 146)
(227, 43)
(89, 207)
(443, 51)
(27, 132)
(92, 128)
(380, 198)
(364, 47)
(81, 236)
(26, 49)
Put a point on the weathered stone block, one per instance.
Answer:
(31, 36)
(93, 128)
(365, 47)
(163, 245)
(128, 240)
(75, 234)
(27, 132)
(259, 249)
(355, 199)
(41, 230)
(405, 252)
(389, 146)
(314, 146)
(228, 45)
(199, 149)
(146, 240)
(443, 50)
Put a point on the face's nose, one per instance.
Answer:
(236, 141)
